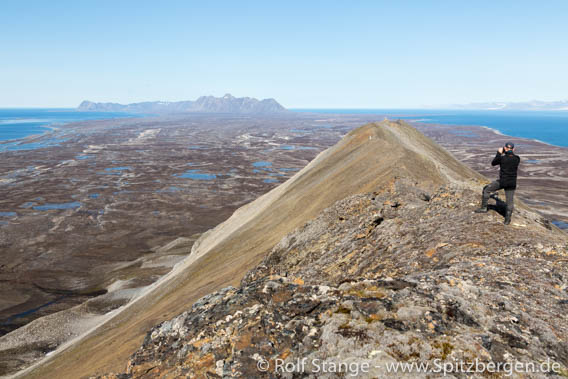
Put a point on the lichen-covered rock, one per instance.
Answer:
(379, 278)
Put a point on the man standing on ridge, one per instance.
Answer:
(509, 163)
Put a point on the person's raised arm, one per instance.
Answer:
(497, 159)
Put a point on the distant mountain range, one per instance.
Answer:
(534, 105)
(204, 104)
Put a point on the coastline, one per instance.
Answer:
(21, 140)
(496, 131)
(46, 124)
(492, 129)
(57, 123)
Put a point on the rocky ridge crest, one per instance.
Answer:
(403, 274)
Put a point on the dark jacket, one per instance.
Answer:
(508, 172)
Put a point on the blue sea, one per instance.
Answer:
(547, 126)
(19, 123)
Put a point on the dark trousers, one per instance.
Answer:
(495, 186)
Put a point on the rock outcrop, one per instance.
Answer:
(401, 275)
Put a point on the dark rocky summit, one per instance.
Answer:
(204, 104)
(407, 273)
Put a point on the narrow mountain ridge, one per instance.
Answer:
(373, 159)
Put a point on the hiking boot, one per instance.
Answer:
(508, 217)
(483, 207)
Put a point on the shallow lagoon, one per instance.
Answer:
(262, 164)
(196, 174)
(52, 206)
(295, 147)
(20, 145)
(560, 224)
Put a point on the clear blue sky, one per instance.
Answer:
(362, 54)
